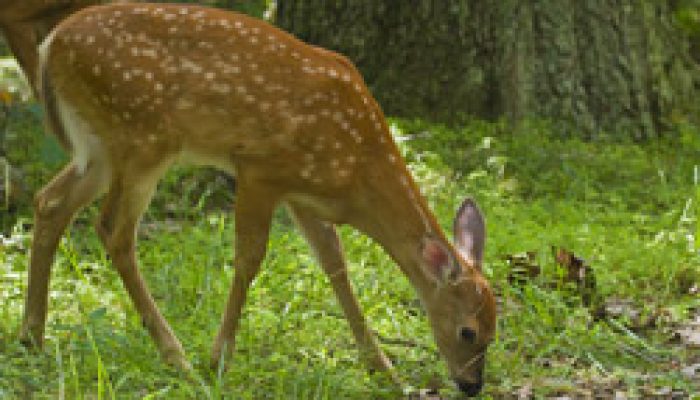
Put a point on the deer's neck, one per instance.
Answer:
(398, 218)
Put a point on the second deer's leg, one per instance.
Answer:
(324, 240)
(253, 212)
(123, 206)
(55, 206)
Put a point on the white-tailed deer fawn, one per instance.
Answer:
(131, 89)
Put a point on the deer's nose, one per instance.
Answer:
(470, 388)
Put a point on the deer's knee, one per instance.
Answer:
(48, 204)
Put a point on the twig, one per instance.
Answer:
(404, 343)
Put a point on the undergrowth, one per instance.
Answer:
(629, 209)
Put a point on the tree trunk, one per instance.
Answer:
(593, 66)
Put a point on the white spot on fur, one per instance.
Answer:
(183, 104)
(188, 65)
(222, 88)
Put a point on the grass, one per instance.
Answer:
(629, 209)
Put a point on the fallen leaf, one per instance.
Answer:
(425, 394)
(525, 392)
(523, 268)
(620, 395)
(686, 279)
(577, 272)
(691, 371)
(622, 308)
(689, 334)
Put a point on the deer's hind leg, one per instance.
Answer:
(55, 206)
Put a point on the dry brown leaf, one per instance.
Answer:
(689, 333)
(578, 273)
(523, 268)
(525, 392)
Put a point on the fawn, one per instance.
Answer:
(131, 89)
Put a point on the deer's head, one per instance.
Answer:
(461, 305)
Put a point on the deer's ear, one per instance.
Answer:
(438, 263)
(470, 232)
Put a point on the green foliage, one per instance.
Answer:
(688, 15)
(13, 85)
(629, 209)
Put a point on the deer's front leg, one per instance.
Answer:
(324, 240)
(253, 212)
(121, 211)
(55, 206)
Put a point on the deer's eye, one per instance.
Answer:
(468, 335)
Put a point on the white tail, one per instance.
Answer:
(132, 89)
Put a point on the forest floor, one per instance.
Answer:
(593, 250)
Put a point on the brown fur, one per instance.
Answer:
(136, 88)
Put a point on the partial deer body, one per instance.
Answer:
(132, 89)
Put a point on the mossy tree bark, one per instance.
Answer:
(591, 66)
